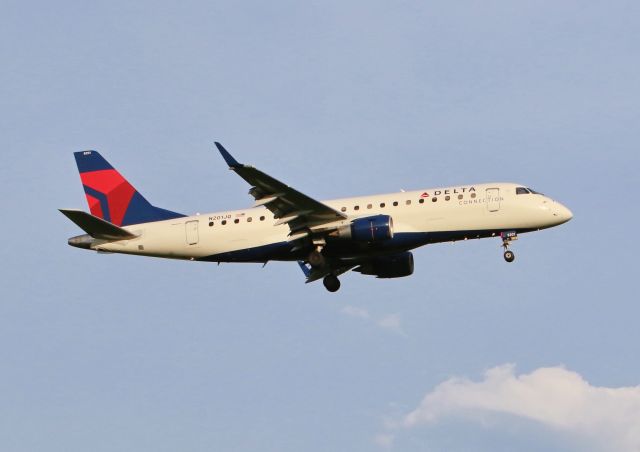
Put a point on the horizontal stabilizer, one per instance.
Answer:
(97, 227)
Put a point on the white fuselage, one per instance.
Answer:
(419, 217)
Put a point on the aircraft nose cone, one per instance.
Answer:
(563, 213)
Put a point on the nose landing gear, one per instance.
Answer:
(509, 256)
(507, 238)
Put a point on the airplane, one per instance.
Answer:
(372, 235)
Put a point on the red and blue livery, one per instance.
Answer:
(111, 197)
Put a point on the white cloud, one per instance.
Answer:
(391, 322)
(384, 440)
(355, 312)
(552, 396)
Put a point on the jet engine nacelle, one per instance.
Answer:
(376, 228)
(394, 266)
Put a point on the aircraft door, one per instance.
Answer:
(493, 199)
(191, 229)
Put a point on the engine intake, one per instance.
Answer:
(394, 266)
(376, 228)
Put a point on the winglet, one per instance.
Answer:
(306, 270)
(233, 163)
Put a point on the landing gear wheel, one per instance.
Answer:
(331, 283)
(316, 259)
(509, 256)
(507, 238)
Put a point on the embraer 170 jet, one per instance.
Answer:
(372, 235)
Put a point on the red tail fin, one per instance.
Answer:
(111, 197)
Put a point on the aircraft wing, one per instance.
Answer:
(288, 205)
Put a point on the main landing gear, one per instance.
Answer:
(507, 238)
(331, 283)
(317, 260)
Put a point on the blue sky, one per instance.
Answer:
(108, 352)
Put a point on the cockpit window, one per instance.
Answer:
(534, 192)
(521, 191)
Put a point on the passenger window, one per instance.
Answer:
(447, 198)
(343, 209)
(382, 205)
(356, 207)
(395, 203)
(224, 222)
(249, 220)
(262, 218)
(473, 195)
(434, 199)
(421, 201)
(236, 221)
(369, 206)
(521, 191)
(460, 196)
(408, 202)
